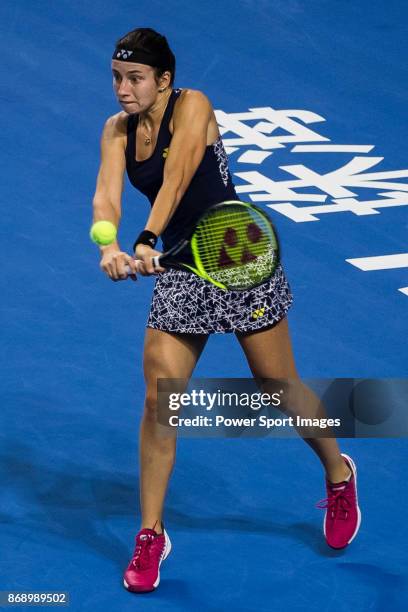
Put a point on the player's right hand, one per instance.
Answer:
(113, 263)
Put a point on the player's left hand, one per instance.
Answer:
(144, 256)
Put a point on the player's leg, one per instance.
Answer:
(166, 355)
(269, 355)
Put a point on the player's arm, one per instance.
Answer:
(108, 193)
(109, 182)
(190, 123)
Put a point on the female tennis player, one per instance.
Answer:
(168, 141)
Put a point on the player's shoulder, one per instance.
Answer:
(116, 125)
(194, 97)
(192, 103)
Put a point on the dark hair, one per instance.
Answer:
(150, 41)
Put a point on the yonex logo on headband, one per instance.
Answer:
(137, 56)
(123, 54)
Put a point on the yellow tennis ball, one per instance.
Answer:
(103, 232)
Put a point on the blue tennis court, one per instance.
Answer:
(311, 103)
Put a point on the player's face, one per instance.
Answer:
(134, 85)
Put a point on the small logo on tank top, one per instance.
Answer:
(165, 152)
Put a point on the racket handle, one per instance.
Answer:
(128, 269)
(156, 263)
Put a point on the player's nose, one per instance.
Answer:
(124, 87)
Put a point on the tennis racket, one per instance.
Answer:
(234, 246)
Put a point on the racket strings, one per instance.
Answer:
(236, 246)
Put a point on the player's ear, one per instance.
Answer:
(164, 80)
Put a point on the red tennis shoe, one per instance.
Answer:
(343, 517)
(143, 572)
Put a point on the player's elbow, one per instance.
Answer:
(104, 208)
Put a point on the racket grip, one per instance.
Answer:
(156, 263)
(128, 269)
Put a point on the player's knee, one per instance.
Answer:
(150, 404)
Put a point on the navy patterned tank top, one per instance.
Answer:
(210, 184)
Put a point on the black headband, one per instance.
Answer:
(139, 57)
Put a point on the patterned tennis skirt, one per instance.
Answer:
(183, 302)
